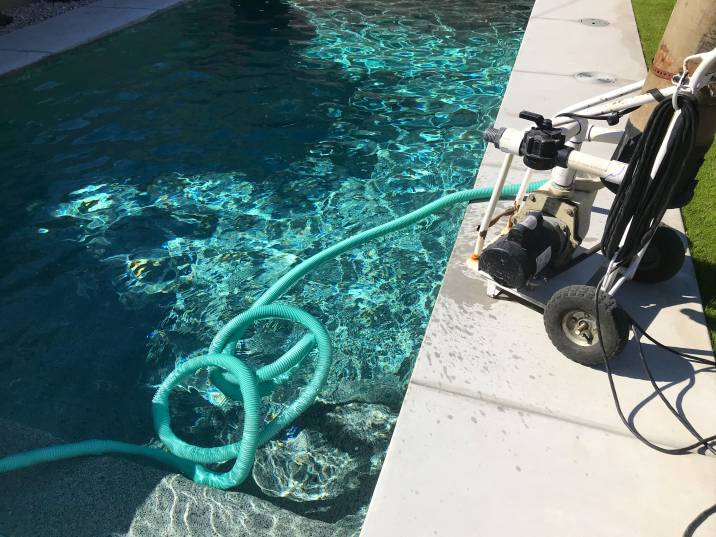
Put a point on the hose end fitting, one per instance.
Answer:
(493, 135)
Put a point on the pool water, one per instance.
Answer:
(157, 181)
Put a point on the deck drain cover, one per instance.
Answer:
(594, 22)
(595, 77)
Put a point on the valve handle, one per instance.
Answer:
(538, 119)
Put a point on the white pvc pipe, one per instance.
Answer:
(604, 97)
(615, 106)
(699, 78)
(611, 170)
(523, 187)
(497, 190)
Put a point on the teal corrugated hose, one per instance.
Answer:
(239, 381)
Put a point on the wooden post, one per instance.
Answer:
(691, 29)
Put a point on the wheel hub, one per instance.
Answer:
(580, 327)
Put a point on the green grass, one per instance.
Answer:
(651, 18)
(700, 219)
(699, 215)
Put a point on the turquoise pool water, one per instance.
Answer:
(157, 181)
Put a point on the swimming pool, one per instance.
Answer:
(159, 180)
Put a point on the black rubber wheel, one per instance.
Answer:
(571, 324)
(663, 258)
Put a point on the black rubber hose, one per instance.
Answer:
(641, 201)
(704, 442)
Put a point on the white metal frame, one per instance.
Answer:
(578, 131)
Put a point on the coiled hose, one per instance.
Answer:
(238, 381)
(641, 201)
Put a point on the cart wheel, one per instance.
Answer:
(663, 258)
(571, 324)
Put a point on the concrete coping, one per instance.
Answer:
(500, 434)
(31, 44)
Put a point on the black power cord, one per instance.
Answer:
(638, 333)
(700, 519)
(641, 201)
(684, 421)
(611, 118)
(638, 208)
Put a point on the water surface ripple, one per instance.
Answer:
(157, 181)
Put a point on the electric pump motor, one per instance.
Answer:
(524, 251)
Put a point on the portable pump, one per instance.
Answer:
(525, 250)
(535, 238)
(649, 173)
(543, 231)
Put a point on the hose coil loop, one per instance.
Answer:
(237, 381)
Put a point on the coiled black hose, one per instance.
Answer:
(641, 201)
(636, 212)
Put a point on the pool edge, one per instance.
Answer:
(38, 42)
(488, 443)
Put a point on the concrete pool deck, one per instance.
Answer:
(499, 434)
(39, 41)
